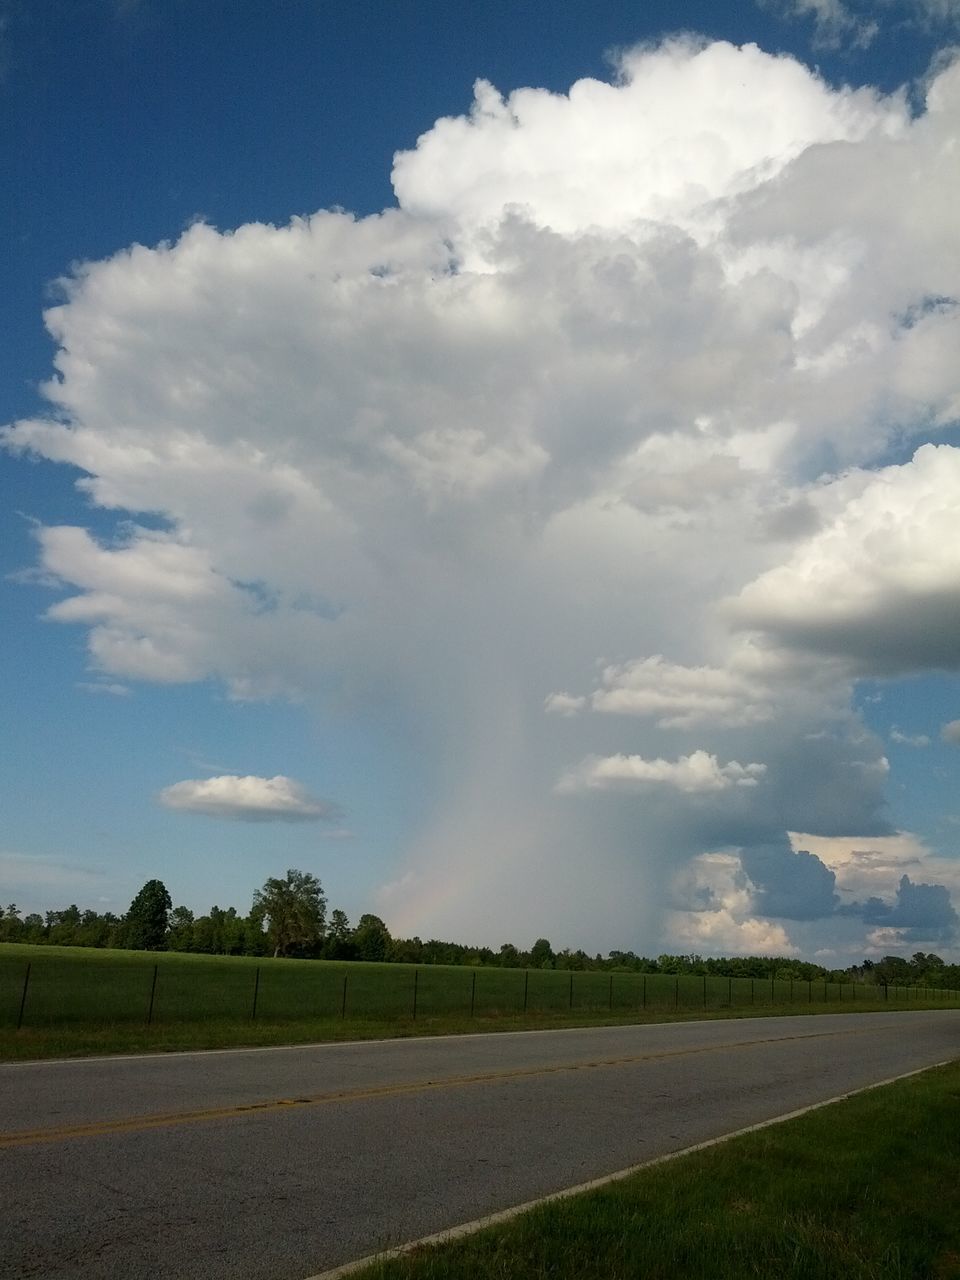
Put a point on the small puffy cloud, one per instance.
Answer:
(248, 799)
(950, 733)
(909, 739)
(919, 912)
(678, 697)
(564, 704)
(925, 906)
(110, 689)
(835, 23)
(714, 882)
(697, 772)
(857, 23)
(724, 933)
(884, 941)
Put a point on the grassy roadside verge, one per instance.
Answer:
(59, 1001)
(865, 1189)
(92, 1039)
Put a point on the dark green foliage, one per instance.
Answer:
(541, 955)
(225, 932)
(11, 926)
(295, 912)
(146, 923)
(371, 938)
(181, 929)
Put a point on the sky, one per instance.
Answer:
(504, 461)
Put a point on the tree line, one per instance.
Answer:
(288, 917)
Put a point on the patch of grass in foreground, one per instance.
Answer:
(861, 1190)
(91, 1039)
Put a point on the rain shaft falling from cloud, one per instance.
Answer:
(553, 432)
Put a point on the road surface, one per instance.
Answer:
(275, 1164)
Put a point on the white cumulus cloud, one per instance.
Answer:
(618, 358)
(697, 772)
(564, 704)
(247, 799)
(724, 933)
(679, 697)
(879, 584)
(909, 739)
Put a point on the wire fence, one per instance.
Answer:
(61, 991)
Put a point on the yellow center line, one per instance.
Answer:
(135, 1124)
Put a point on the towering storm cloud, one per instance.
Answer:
(581, 458)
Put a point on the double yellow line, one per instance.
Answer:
(137, 1124)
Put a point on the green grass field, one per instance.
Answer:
(865, 1189)
(79, 1000)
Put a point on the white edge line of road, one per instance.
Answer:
(163, 1055)
(506, 1215)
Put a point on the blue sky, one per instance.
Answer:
(569, 549)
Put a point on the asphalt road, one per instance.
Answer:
(275, 1164)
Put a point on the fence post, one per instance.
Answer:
(416, 976)
(526, 988)
(791, 991)
(676, 992)
(773, 991)
(610, 996)
(730, 992)
(753, 993)
(23, 996)
(256, 992)
(704, 990)
(343, 998)
(570, 1001)
(644, 991)
(153, 992)
(473, 993)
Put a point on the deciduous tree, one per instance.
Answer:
(294, 910)
(371, 938)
